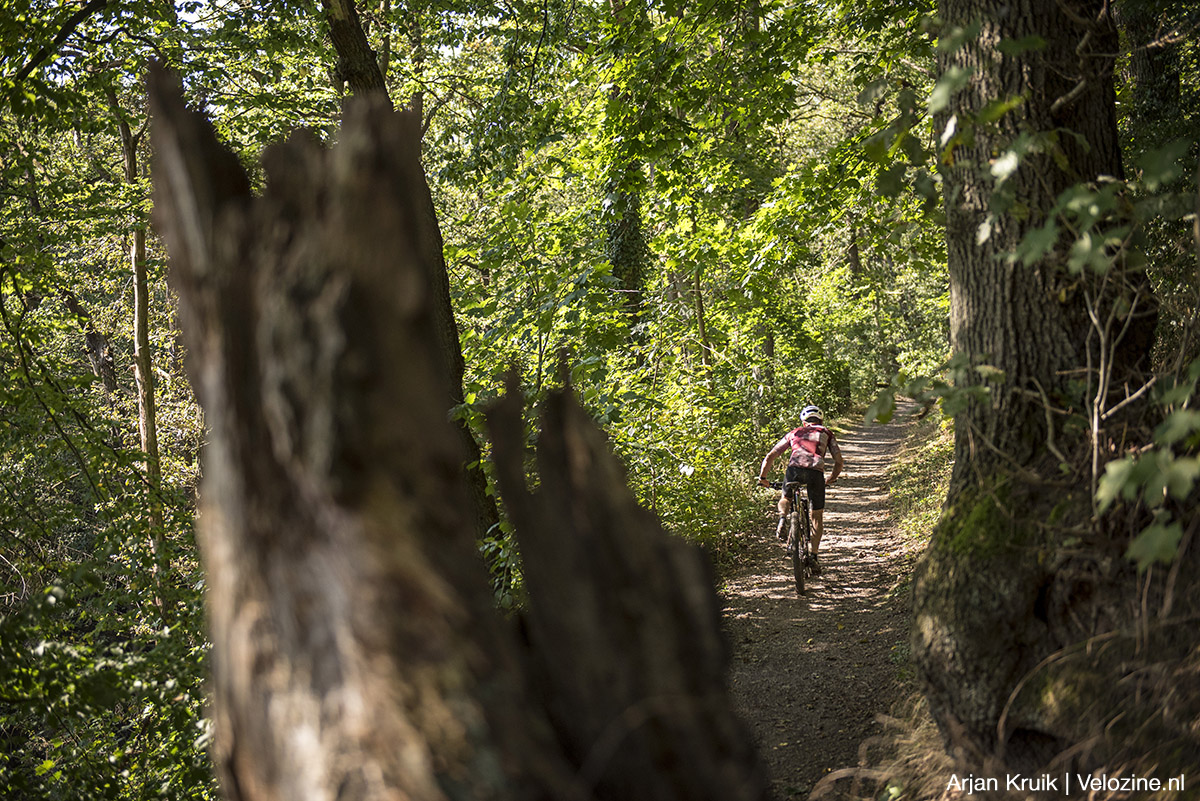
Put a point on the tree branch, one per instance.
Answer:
(73, 22)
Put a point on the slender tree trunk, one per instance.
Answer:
(411, 16)
(1156, 117)
(1154, 67)
(143, 365)
(96, 344)
(385, 46)
(854, 255)
(625, 242)
(701, 330)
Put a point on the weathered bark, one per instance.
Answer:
(1029, 323)
(357, 63)
(623, 625)
(997, 593)
(356, 654)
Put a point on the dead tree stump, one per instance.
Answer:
(356, 653)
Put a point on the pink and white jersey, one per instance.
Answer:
(809, 444)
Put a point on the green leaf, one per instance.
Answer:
(1157, 543)
(956, 38)
(1180, 475)
(949, 84)
(1005, 166)
(876, 146)
(912, 147)
(891, 180)
(1180, 424)
(1177, 394)
(1037, 243)
(1087, 250)
(990, 372)
(1162, 166)
(1114, 482)
(926, 186)
(873, 91)
(1015, 47)
(882, 409)
(984, 232)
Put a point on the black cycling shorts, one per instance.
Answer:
(814, 478)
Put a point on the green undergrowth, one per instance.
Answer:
(712, 507)
(919, 476)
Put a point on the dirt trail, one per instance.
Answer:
(810, 675)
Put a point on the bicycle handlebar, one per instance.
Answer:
(777, 484)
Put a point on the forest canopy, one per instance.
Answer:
(700, 217)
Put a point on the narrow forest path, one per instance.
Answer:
(809, 675)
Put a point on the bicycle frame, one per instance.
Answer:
(799, 544)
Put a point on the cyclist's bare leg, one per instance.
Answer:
(784, 507)
(818, 529)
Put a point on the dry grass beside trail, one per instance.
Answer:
(815, 677)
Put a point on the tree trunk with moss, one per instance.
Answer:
(355, 650)
(1018, 573)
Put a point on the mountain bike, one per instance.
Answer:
(799, 527)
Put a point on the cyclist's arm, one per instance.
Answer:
(837, 462)
(770, 458)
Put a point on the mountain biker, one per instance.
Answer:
(809, 444)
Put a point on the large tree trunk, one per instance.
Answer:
(356, 654)
(999, 590)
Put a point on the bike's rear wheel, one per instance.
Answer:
(795, 545)
(806, 530)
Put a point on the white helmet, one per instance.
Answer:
(810, 412)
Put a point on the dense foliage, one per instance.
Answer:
(711, 214)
